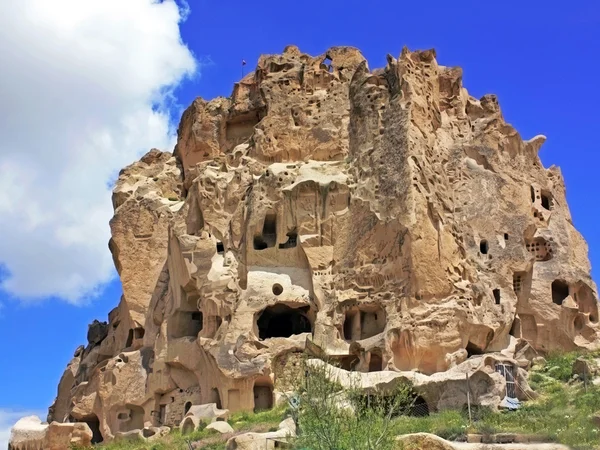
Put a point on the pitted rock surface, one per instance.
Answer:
(383, 219)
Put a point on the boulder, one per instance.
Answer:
(422, 441)
(584, 368)
(445, 390)
(220, 426)
(29, 433)
(60, 436)
(198, 414)
(261, 441)
(97, 331)
(131, 435)
(258, 441)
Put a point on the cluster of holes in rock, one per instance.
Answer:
(321, 273)
(283, 321)
(540, 249)
(517, 283)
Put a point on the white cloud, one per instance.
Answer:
(83, 92)
(8, 418)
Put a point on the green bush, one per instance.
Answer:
(331, 418)
(559, 365)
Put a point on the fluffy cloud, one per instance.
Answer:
(8, 417)
(84, 91)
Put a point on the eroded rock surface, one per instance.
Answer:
(385, 218)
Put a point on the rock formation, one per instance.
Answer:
(382, 218)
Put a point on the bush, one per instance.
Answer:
(331, 418)
(559, 365)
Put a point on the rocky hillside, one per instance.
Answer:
(382, 219)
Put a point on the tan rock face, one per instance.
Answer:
(384, 218)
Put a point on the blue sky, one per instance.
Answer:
(539, 57)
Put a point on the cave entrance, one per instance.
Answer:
(215, 397)
(94, 425)
(473, 349)
(134, 334)
(292, 240)
(496, 293)
(269, 233)
(560, 291)
(375, 362)
(546, 200)
(131, 419)
(419, 408)
(484, 247)
(346, 362)
(241, 128)
(586, 301)
(282, 321)
(185, 323)
(263, 397)
(162, 415)
(363, 323)
(187, 320)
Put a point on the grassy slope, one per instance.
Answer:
(561, 413)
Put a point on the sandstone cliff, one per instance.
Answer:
(384, 218)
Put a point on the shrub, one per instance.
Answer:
(331, 418)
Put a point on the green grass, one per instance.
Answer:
(561, 413)
(173, 440)
(245, 420)
(449, 425)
